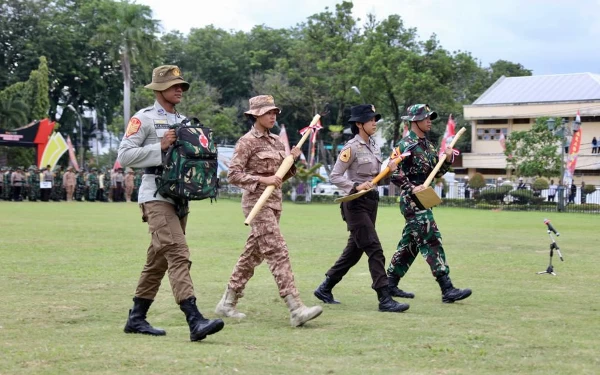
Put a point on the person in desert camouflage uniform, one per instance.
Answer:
(420, 232)
(129, 180)
(256, 158)
(147, 136)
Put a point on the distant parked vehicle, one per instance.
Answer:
(326, 188)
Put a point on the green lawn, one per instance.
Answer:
(68, 272)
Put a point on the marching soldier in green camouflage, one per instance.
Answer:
(137, 181)
(93, 185)
(420, 232)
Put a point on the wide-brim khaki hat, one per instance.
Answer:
(166, 76)
(261, 104)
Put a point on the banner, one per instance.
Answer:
(55, 148)
(72, 157)
(448, 134)
(283, 137)
(502, 141)
(313, 141)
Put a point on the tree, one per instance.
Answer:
(534, 152)
(305, 175)
(13, 113)
(131, 37)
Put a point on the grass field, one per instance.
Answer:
(68, 272)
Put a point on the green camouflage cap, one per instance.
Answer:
(418, 112)
(166, 76)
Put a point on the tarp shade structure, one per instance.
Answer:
(35, 134)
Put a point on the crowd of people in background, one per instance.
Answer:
(47, 184)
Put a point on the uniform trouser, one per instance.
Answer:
(420, 235)
(70, 190)
(265, 242)
(16, 191)
(360, 215)
(46, 194)
(118, 194)
(168, 251)
(128, 192)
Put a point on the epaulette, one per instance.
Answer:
(147, 109)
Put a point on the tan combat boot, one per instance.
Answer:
(300, 314)
(226, 306)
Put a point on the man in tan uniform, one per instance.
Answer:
(256, 158)
(128, 184)
(146, 138)
(69, 183)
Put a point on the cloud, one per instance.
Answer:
(547, 36)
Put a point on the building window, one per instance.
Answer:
(521, 121)
(490, 134)
(492, 122)
(590, 118)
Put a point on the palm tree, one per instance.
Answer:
(13, 113)
(132, 37)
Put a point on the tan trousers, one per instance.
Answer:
(265, 242)
(168, 251)
(70, 190)
(128, 192)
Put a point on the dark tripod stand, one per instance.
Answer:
(553, 246)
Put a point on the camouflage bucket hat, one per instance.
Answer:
(166, 76)
(418, 112)
(259, 105)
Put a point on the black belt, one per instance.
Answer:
(153, 170)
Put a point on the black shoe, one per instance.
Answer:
(199, 326)
(136, 322)
(387, 303)
(450, 294)
(397, 292)
(323, 292)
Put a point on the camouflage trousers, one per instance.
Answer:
(265, 242)
(420, 235)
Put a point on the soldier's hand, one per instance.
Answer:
(295, 152)
(364, 186)
(419, 188)
(272, 180)
(167, 140)
(448, 151)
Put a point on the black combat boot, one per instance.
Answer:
(323, 292)
(395, 291)
(449, 292)
(387, 304)
(136, 323)
(199, 326)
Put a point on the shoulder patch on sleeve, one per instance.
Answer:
(133, 126)
(346, 154)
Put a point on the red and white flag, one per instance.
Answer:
(313, 140)
(448, 134)
(283, 137)
(406, 130)
(502, 141)
(72, 157)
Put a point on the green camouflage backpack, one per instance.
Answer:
(190, 164)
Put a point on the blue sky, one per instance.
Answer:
(546, 36)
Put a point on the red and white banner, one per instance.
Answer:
(448, 134)
(313, 140)
(72, 157)
(573, 153)
(502, 141)
(283, 137)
